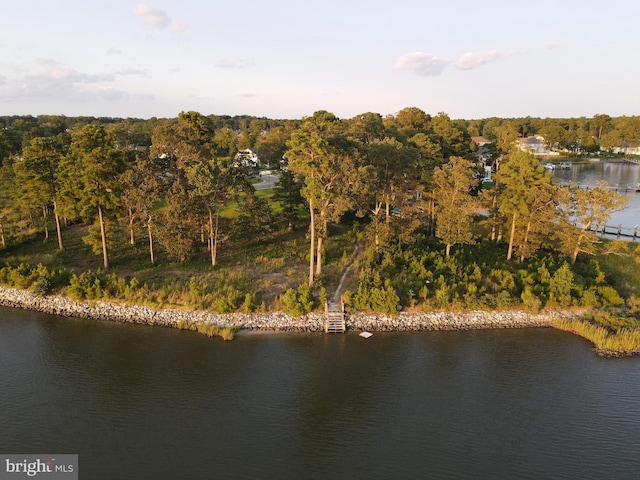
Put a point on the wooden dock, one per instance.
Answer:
(335, 321)
(615, 188)
(617, 231)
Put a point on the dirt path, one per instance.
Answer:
(336, 295)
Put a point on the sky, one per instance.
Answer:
(289, 58)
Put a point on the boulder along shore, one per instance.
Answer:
(275, 322)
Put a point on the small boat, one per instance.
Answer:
(565, 165)
(549, 166)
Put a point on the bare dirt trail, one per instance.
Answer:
(336, 295)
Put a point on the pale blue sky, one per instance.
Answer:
(288, 58)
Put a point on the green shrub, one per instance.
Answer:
(561, 285)
(443, 297)
(249, 304)
(41, 287)
(530, 302)
(610, 296)
(589, 298)
(633, 304)
(298, 302)
(375, 295)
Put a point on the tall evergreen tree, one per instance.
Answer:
(215, 182)
(455, 206)
(36, 175)
(318, 153)
(94, 165)
(517, 176)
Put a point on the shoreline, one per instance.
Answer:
(276, 321)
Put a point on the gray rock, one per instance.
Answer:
(276, 321)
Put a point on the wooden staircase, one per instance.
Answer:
(335, 322)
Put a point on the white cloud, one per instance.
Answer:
(57, 74)
(152, 16)
(472, 60)
(423, 64)
(50, 79)
(159, 19)
(551, 44)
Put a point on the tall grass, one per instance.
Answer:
(624, 341)
(226, 333)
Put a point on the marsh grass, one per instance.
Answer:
(226, 333)
(623, 341)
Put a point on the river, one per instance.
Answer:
(139, 402)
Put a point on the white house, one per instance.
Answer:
(246, 158)
(534, 145)
(625, 149)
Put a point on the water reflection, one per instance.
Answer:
(615, 174)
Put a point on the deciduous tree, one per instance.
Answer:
(587, 209)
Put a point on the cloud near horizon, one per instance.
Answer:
(472, 60)
(54, 79)
(423, 64)
(551, 44)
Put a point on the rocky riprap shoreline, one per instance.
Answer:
(277, 322)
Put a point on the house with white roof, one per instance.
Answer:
(534, 145)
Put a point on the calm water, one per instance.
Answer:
(139, 402)
(615, 174)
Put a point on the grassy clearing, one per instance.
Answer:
(623, 271)
(231, 211)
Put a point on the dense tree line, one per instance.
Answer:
(578, 135)
(403, 175)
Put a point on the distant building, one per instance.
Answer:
(534, 145)
(246, 158)
(625, 149)
(480, 141)
(483, 153)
